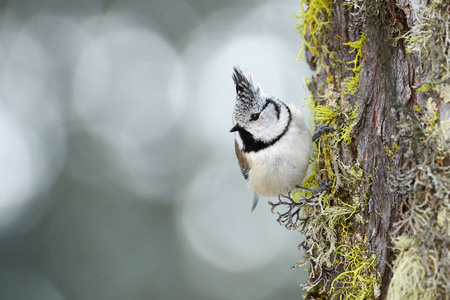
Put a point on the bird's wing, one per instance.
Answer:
(242, 160)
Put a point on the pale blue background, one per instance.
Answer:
(118, 178)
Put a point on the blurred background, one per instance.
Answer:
(118, 178)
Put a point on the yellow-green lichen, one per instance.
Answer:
(350, 85)
(392, 151)
(359, 278)
(314, 17)
(323, 114)
(331, 220)
(340, 266)
(345, 133)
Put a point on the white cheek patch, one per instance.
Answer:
(272, 124)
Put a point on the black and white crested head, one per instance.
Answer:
(259, 118)
(248, 94)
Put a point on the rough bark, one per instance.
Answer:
(385, 160)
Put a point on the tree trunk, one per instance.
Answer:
(382, 71)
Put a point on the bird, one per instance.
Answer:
(273, 142)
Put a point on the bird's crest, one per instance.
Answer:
(248, 93)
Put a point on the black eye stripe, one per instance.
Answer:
(277, 108)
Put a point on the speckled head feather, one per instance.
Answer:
(248, 95)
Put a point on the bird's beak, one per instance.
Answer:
(235, 128)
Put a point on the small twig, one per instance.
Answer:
(340, 38)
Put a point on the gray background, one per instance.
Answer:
(118, 178)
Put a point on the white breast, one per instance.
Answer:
(283, 166)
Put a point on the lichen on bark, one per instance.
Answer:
(387, 212)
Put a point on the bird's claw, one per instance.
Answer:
(320, 131)
(323, 186)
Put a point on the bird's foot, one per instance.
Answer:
(323, 186)
(320, 131)
(291, 218)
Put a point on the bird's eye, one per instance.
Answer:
(254, 117)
